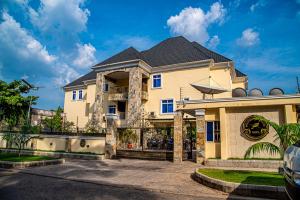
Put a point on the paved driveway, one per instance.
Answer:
(118, 179)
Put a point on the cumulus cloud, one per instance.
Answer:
(258, 4)
(194, 22)
(249, 38)
(86, 56)
(22, 53)
(16, 41)
(214, 42)
(60, 20)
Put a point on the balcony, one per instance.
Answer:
(121, 93)
(118, 94)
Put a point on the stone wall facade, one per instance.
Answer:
(135, 97)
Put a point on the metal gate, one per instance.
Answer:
(188, 143)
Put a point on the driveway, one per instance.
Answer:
(118, 179)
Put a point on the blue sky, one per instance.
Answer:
(50, 42)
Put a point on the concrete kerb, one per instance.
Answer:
(10, 165)
(57, 154)
(274, 192)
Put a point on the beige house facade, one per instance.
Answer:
(167, 85)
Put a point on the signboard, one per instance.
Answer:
(253, 129)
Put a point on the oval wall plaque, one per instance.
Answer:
(253, 129)
(82, 142)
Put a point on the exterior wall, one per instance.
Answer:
(236, 144)
(221, 77)
(76, 109)
(171, 84)
(60, 143)
(239, 85)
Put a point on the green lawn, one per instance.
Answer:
(23, 158)
(245, 177)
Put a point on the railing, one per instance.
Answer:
(145, 139)
(118, 93)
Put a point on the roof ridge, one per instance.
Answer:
(203, 47)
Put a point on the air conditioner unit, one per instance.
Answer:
(152, 115)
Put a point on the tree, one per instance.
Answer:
(56, 122)
(20, 140)
(286, 135)
(13, 105)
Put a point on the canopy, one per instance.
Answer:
(208, 89)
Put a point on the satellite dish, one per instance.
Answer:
(255, 92)
(276, 91)
(239, 92)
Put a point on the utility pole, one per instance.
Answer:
(298, 87)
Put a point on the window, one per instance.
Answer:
(74, 95)
(112, 109)
(213, 131)
(167, 106)
(156, 81)
(80, 95)
(105, 87)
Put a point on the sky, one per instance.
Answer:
(52, 42)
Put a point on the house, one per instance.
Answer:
(177, 83)
(132, 83)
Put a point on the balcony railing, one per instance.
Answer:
(121, 93)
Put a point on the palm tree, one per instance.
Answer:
(286, 135)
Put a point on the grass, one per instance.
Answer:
(245, 177)
(23, 158)
(254, 159)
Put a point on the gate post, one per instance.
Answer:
(111, 138)
(177, 144)
(200, 136)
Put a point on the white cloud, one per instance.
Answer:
(214, 42)
(22, 54)
(194, 22)
(258, 4)
(140, 43)
(61, 20)
(14, 37)
(65, 75)
(86, 56)
(249, 38)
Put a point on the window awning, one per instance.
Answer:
(208, 89)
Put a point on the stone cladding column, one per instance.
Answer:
(178, 127)
(135, 97)
(200, 136)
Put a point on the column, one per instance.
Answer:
(135, 97)
(177, 143)
(290, 114)
(200, 136)
(223, 132)
(111, 138)
(98, 112)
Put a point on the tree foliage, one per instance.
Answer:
(56, 123)
(286, 135)
(13, 104)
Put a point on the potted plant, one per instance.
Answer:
(129, 137)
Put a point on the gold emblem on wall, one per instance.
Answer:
(253, 129)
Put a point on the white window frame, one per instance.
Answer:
(213, 131)
(161, 81)
(161, 106)
(74, 99)
(115, 109)
(81, 95)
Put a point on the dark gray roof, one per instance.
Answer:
(170, 51)
(128, 54)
